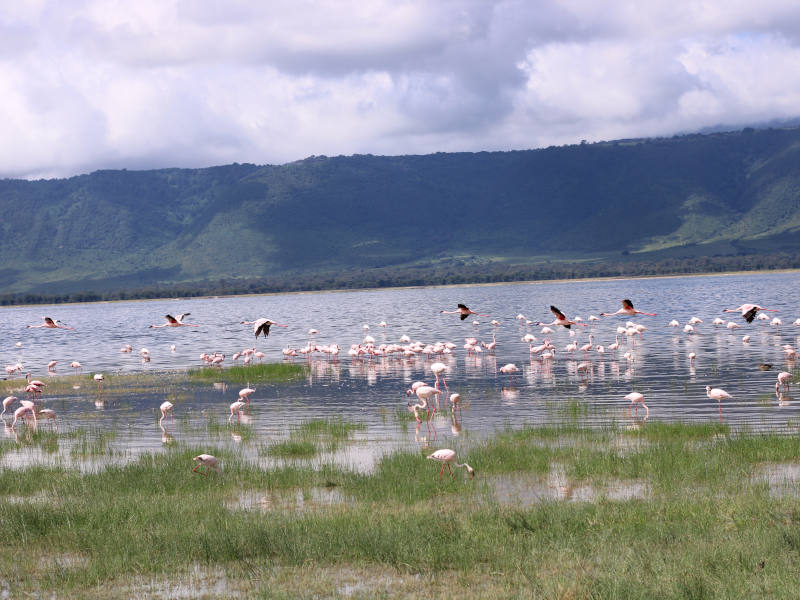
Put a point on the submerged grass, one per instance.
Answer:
(706, 530)
(260, 373)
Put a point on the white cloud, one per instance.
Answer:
(110, 84)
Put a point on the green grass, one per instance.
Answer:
(707, 528)
(260, 373)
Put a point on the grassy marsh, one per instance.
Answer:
(710, 525)
(260, 373)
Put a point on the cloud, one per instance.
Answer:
(157, 83)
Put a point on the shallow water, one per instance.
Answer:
(372, 391)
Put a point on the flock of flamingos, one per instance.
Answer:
(427, 396)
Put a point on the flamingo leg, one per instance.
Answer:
(441, 470)
(449, 469)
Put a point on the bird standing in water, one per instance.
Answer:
(205, 460)
(448, 457)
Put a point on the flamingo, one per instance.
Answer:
(636, 399)
(23, 411)
(236, 409)
(50, 324)
(205, 460)
(629, 310)
(784, 379)
(50, 415)
(8, 401)
(586, 347)
(262, 326)
(717, 394)
(463, 311)
(748, 311)
(166, 407)
(174, 322)
(426, 393)
(439, 369)
(423, 404)
(99, 378)
(448, 457)
(561, 319)
(244, 393)
(51, 366)
(509, 369)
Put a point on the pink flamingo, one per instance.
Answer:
(561, 319)
(23, 411)
(99, 378)
(636, 399)
(262, 326)
(236, 409)
(426, 393)
(174, 322)
(51, 366)
(50, 415)
(784, 379)
(448, 457)
(439, 369)
(629, 310)
(50, 324)
(166, 407)
(76, 365)
(7, 401)
(748, 311)
(463, 311)
(586, 347)
(509, 369)
(717, 394)
(205, 460)
(244, 393)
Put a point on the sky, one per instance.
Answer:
(105, 84)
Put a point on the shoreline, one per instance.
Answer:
(417, 287)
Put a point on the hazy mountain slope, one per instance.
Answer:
(123, 228)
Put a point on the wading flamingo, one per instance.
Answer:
(448, 457)
(717, 394)
(166, 407)
(636, 399)
(205, 460)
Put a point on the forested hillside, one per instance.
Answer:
(719, 195)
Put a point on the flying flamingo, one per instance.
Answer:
(262, 326)
(463, 311)
(205, 460)
(166, 407)
(636, 399)
(50, 324)
(448, 457)
(174, 322)
(561, 319)
(748, 311)
(629, 310)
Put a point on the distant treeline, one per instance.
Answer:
(489, 272)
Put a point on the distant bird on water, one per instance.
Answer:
(174, 322)
(448, 457)
(262, 326)
(50, 324)
(628, 310)
(748, 311)
(463, 311)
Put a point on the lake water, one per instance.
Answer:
(372, 391)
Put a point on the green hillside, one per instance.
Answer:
(718, 194)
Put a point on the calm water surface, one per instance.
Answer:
(372, 392)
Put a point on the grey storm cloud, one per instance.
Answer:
(92, 84)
